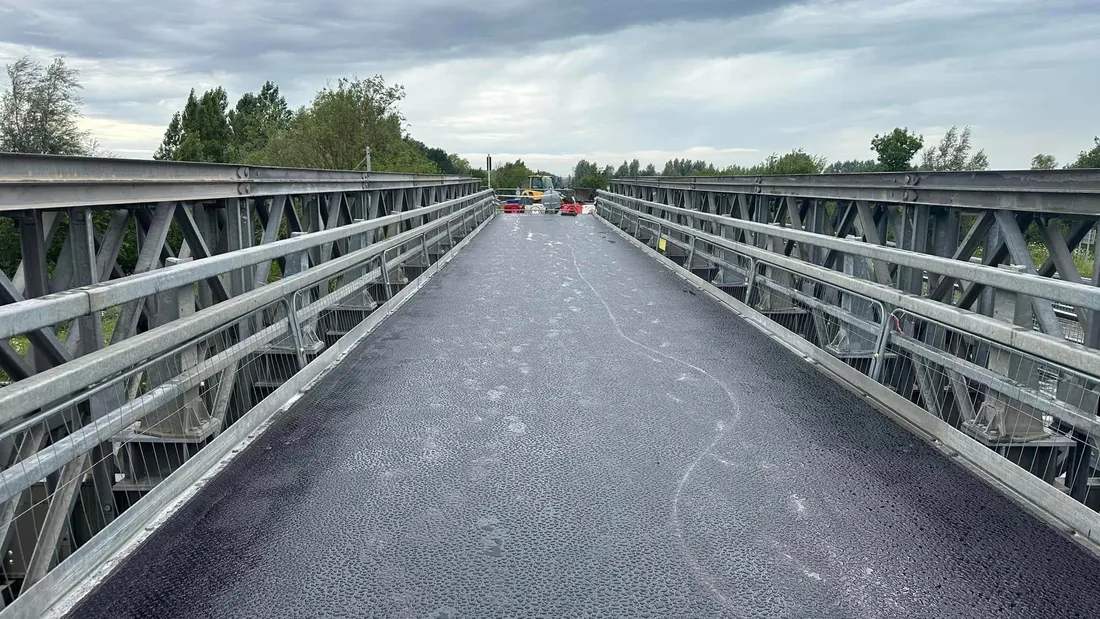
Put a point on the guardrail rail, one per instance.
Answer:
(952, 294)
(127, 380)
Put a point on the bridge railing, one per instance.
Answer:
(102, 428)
(995, 382)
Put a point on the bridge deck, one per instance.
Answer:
(556, 427)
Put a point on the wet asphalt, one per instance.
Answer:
(557, 427)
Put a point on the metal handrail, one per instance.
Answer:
(53, 181)
(1054, 191)
(52, 458)
(41, 389)
(1080, 358)
(43, 312)
(1077, 295)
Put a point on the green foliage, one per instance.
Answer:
(1088, 158)
(512, 175)
(205, 134)
(584, 168)
(333, 132)
(458, 165)
(592, 181)
(896, 149)
(437, 156)
(649, 170)
(952, 154)
(171, 142)
(40, 108)
(853, 166)
(589, 175)
(629, 169)
(9, 246)
(258, 117)
(687, 167)
(208, 131)
(1043, 162)
(794, 162)
(340, 123)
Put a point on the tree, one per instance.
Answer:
(334, 131)
(206, 135)
(479, 173)
(171, 142)
(853, 166)
(649, 170)
(634, 168)
(202, 132)
(623, 171)
(40, 110)
(256, 118)
(1043, 162)
(794, 162)
(584, 169)
(1088, 158)
(687, 167)
(952, 154)
(460, 165)
(206, 130)
(512, 175)
(593, 181)
(896, 149)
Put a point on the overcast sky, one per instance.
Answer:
(725, 80)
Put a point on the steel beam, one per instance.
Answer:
(1046, 288)
(42, 388)
(38, 313)
(1048, 191)
(148, 258)
(50, 181)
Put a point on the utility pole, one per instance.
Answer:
(489, 170)
(366, 160)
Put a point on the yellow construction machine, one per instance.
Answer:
(537, 184)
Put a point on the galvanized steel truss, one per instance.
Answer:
(270, 266)
(925, 283)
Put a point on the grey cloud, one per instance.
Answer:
(208, 34)
(1021, 72)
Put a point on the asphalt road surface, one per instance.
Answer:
(557, 427)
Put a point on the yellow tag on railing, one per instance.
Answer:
(661, 244)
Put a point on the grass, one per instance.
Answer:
(1039, 254)
(21, 344)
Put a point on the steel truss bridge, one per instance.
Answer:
(247, 391)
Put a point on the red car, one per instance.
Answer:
(572, 208)
(514, 206)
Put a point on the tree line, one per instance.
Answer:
(40, 110)
(894, 152)
(333, 132)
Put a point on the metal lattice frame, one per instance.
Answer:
(272, 266)
(952, 215)
(923, 283)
